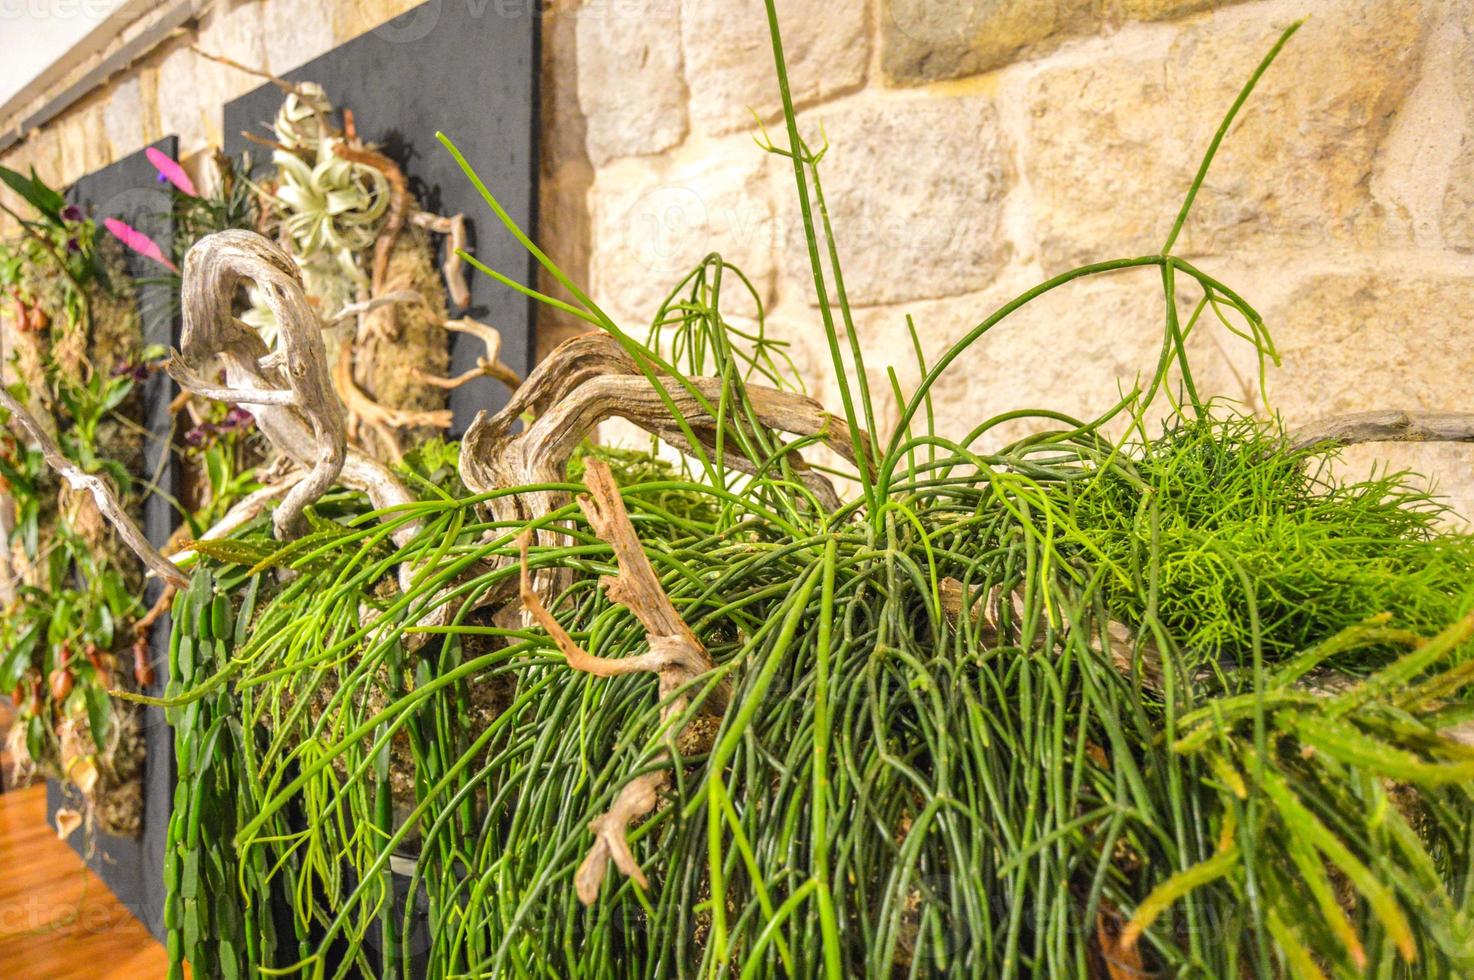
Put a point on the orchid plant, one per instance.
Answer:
(71, 598)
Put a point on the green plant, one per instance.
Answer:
(72, 597)
(1074, 707)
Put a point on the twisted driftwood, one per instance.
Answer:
(676, 657)
(290, 390)
(1385, 426)
(103, 492)
(589, 379)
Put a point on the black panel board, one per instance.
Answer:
(134, 869)
(469, 69)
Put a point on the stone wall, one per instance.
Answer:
(977, 148)
(980, 147)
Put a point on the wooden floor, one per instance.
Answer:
(57, 919)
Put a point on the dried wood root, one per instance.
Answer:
(454, 267)
(290, 390)
(1385, 426)
(103, 493)
(676, 657)
(487, 366)
(589, 379)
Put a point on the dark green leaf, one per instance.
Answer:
(99, 713)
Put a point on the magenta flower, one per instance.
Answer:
(139, 242)
(171, 171)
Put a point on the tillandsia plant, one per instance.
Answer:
(74, 359)
(343, 210)
(1175, 703)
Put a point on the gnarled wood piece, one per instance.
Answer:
(589, 379)
(676, 657)
(454, 267)
(103, 493)
(1385, 426)
(487, 366)
(307, 424)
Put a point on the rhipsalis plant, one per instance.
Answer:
(1169, 703)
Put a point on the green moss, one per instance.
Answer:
(1221, 498)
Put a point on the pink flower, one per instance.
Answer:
(139, 242)
(171, 171)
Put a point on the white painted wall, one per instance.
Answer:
(34, 34)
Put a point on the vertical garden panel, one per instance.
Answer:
(468, 70)
(129, 190)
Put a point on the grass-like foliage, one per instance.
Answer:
(1181, 705)
(1215, 498)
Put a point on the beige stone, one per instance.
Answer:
(238, 31)
(295, 33)
(1115, 143)
(1457, 219)
(351, 18)
(123, 116)
(1075, 350)
(915, 186)
(180, 111)
(83, 140)
(630, 84)
(652, 224)
(1357, 342)
(563, 132)
(928, 40)
(729, 57)
(1124, 10)
(563, 228)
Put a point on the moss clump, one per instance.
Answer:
(1226, 524)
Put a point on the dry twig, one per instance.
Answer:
(676, 657)
(488, 366)
(454, 267)
(1385, 426)
(103, 493)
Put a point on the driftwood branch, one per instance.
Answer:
(309, 426)
(676, 657)
(1385, 426)
(354, 310)
(454, 267)
(488, 365)
(589, 379)
(103, 492)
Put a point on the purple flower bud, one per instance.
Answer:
(71, 213)
(196, 437)
(238, 418)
